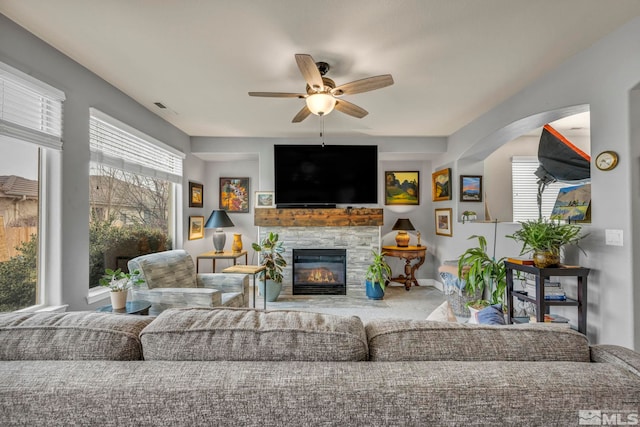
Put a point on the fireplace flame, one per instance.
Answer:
(320, 275)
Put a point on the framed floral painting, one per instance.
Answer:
(234, 194)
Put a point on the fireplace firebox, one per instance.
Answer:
(319, 272)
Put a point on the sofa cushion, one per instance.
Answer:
(397, 340)
(491, 315)
(71, 336)
(251, 335)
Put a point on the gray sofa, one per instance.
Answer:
(171, 281)
(243, 367)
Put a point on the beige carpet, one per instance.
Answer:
(416, 303)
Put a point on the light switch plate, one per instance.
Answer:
(613, 237)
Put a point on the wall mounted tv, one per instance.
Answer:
(325, 175)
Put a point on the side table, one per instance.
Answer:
(251, 269)
(407, 253)
(213, 256)
(132, 307)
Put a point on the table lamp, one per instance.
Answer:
(219, 219)
(402, 238)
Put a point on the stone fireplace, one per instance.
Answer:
(356, 231)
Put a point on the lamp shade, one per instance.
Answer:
(320, 104)
(403, 224)
(218, 219)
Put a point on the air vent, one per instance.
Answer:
(160, 105)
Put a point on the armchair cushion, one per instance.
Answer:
(168, 269)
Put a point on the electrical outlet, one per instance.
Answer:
(613, 237)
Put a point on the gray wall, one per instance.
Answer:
(83, 89)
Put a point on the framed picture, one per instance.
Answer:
(264, 199)
(470, 188)
(443, 222)
(402, 188)
(196, 195)
(196, 227)
(441, 185)
(234, 194)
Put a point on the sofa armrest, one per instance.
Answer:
(225, 283)
(617, 355)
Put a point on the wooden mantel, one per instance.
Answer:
(305, 217)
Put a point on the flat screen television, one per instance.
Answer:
(325, 175)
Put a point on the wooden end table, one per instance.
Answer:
(407, 253)
(213, 256)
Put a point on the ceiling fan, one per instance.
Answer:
(322, 94)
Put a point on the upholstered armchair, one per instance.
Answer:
(171, 281)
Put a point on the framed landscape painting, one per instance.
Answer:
(196, 227)
(402, 188)
(196, 195)
(470, 188)
(441, 185)
(234, 194)
(443, 222)
(264, 199)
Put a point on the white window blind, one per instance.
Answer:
(525, 190)
(116, 144)
(30, 110)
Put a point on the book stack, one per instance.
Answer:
(552, 290)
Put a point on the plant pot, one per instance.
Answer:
(118, 299)
(473, 318)
(374, 290)
(546, 259)
(273, 289)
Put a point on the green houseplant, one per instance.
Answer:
(481, 271)
(271, 250)
(377, 274)
(545, 239)
(119, 283)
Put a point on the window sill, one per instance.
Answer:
(97, 294)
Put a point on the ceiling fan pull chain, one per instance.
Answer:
(322, 129)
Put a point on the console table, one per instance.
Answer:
(407, 253)
(542, 305)
(213, 256)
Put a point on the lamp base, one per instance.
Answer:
(402, 239)
(219, 239)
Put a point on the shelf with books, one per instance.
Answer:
(536, 294)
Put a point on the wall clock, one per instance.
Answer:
(607, 160)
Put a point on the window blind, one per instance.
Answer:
(30, 110)
(116, 144)
(525, 190)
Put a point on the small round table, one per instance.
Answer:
(407, 253)
(133, 307)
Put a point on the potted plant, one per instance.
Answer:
(271, 251)
(377, 274)
(120, 282)
(545, 238)
(482, 272)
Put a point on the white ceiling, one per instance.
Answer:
(452, 60)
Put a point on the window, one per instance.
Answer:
(132, 194)
(525, 190)
(30, 143)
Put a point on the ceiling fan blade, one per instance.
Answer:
(363, 85)
(302, 114)
(350, 109)
(278, 94)
(309, 71)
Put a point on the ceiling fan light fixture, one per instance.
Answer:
(320, 104)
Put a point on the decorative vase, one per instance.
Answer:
(546, 259)
(118, 299)
(236, 246)
(402, 239)
(273, 289)
(374, 290)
